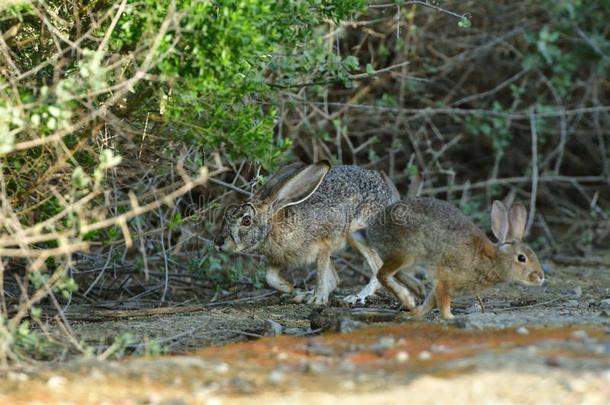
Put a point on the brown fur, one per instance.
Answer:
(460, 255)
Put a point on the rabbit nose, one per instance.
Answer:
(537, 278)
(219, 241)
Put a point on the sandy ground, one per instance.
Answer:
(531, 345)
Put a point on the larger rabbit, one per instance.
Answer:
(459, 254)
(305, 213)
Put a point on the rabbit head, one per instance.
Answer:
(519, 260)
(246, 227)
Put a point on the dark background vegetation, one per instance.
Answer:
(126, 126)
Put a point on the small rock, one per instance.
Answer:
(424, 355)
(222, 368)
(522, 330)
(384, 343)
(56, 382)
(276, 376)
(402, 356)
(241, 384)
(605, 304)
(347, 366)
(17, 377)
(273, 328)
(315, 347)
(572, 303)
(580, 334)
(439, 349)
(552, 362)
(577, 291)
(348, 325)
(315, 367)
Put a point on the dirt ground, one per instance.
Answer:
(531, 345)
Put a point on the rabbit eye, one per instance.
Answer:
(246, 220)
(521, 258)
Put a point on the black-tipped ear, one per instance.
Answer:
(299, 186)
(517, 218)
(499, 221)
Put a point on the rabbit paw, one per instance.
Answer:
(318, 299)
(301, 296)
(354, 299)
(360, 298)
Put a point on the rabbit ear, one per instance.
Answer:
(276, 180)
(300, 186)
(391, 186)
(517, 218)
(499, 221)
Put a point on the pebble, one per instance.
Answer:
(439, 349)
(605, 304)
(315, 367)
(273, 328)
(402, 356)
(276, 376)
(347, 366)
(56, 382)
(580, 334)
(348, 325)
(522, 330)
(424, 355)
(315, 347)
(384, 343)
(17, 377)
(222, 368)
(572, 303)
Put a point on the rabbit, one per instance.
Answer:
(460, 256)
(305, 213)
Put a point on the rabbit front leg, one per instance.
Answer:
(374, 262)
(443, 299)
(327, 279)
(274, 280)
(386, 278)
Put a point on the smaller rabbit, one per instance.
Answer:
(459, 254)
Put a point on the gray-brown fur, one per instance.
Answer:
(462, 258)
(311, 230)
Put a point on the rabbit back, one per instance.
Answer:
(431, 230)
(347, 199)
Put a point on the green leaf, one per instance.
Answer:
(464, 22)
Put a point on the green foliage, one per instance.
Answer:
(215, 64)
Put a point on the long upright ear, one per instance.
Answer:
(517, 218)
(499, 221)
(300, 186)
(277, 180)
